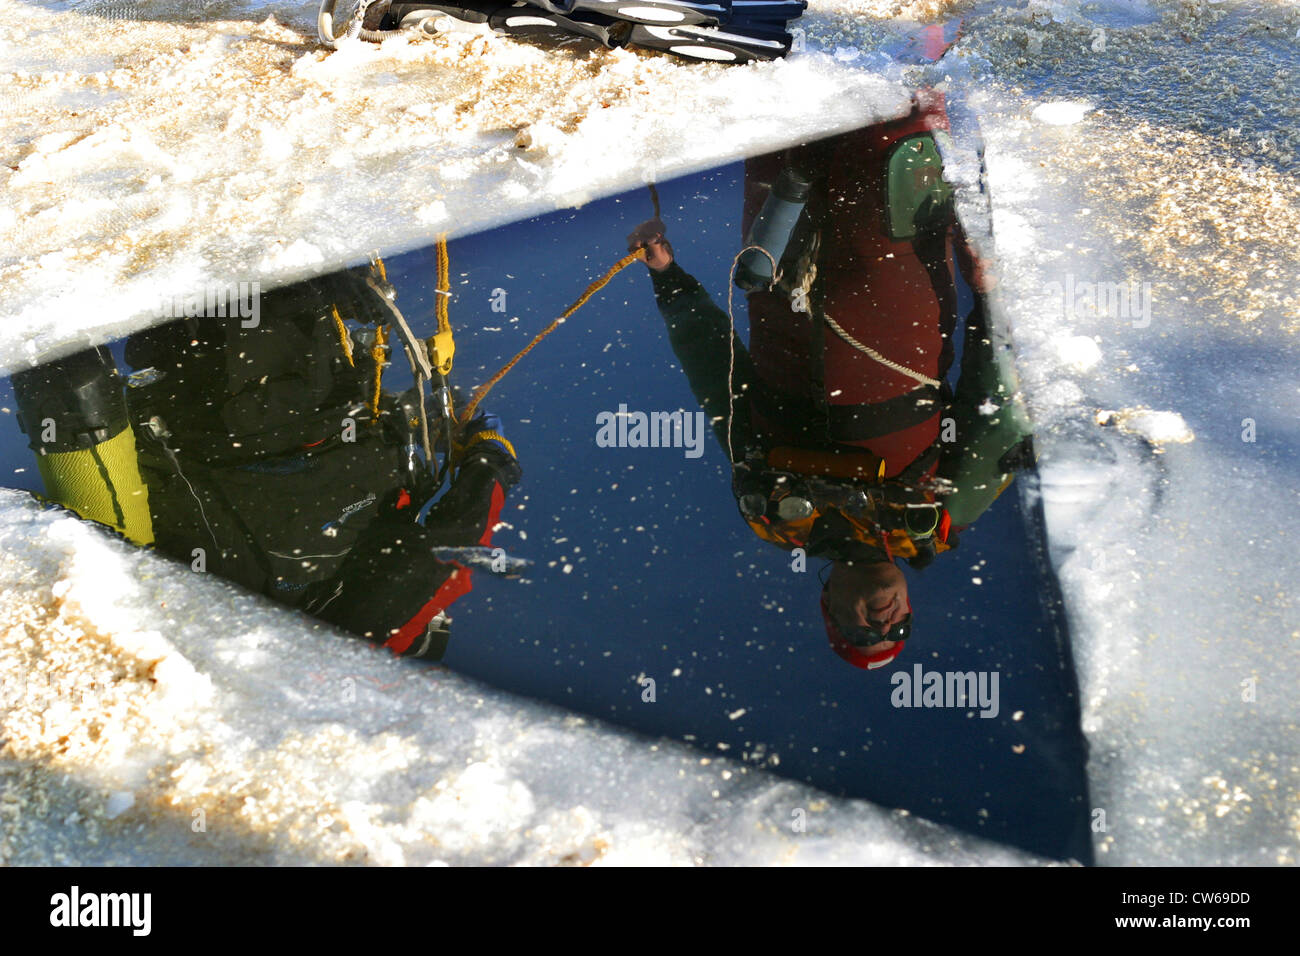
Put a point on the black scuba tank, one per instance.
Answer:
(773, 228)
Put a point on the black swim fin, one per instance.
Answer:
(721, 44)
(514, 18)
(644, 11)
(731, 31)
(522, 19)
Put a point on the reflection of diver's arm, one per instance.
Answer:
(990, 424)
(699, 333)
(391, 585)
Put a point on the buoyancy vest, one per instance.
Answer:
(836, 505)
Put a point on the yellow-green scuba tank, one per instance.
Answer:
(74, 415)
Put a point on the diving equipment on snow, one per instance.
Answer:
(340, 19)
(734, 31)
(644, 11)
(772, 230)
(516, 19)
(735, 43)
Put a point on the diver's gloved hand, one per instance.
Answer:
(650, 237)
(485, 428)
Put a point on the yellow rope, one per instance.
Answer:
(485, 435)
(592, 289)
(876, 356)
(377, 356)
(345, 340)
(442, 346)
(444, 283)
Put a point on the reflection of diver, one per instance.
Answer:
(845, 438)
(271, 456)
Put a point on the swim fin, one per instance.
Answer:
(732, 13)
(730, 44)
(517, 18)
(732, 31)
(522, 19)
(644, 11)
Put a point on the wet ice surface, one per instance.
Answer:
(1185, 768)
(1178, 574)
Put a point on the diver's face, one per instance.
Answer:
(862, 595)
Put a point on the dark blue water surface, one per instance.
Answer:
(643, 568)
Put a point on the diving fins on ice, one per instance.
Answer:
(521, 19)
(731, 31)
(767, 11)
(643, 11)
(576, 15)
(518, 19)
(721, 44)
(681, 13)
(750, 30)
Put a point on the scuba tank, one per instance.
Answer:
(74, 414)
(773, 228)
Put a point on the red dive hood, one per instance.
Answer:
(856, 656)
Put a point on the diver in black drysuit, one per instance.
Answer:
(264, 463)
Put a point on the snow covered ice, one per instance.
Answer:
(1151, 148)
